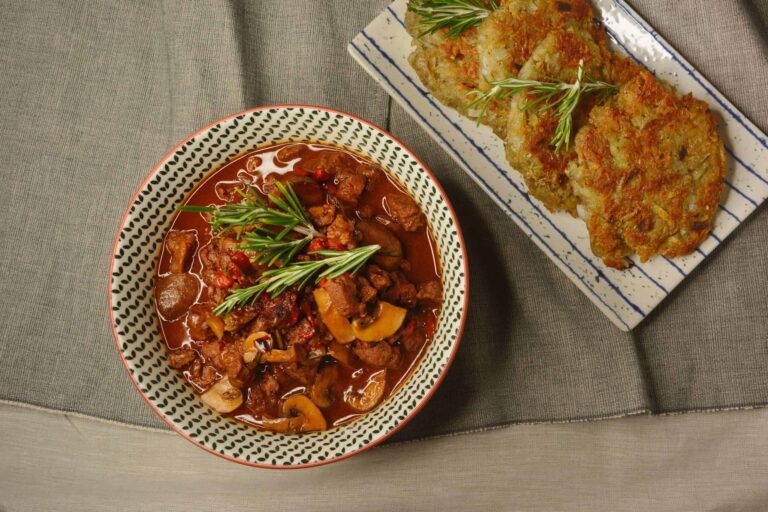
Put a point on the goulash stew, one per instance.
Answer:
(297, 287)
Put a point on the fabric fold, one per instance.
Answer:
(94, 94)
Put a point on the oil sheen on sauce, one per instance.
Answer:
(419, 248)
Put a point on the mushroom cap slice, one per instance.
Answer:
(223, 397)
(300, 414)
(322, 388)
(217, 326)
(370, 395)
(387, 323)
(275, 355)
(251, 350)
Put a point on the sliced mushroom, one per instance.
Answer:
(251, 350)
(217, 326)
(275, 355)
(322, 387)
(387, 322)
(391, 253)
(281, 425)
(302, 407)
(333, 320)
(300, 414)
(223, 397)
(366, 398)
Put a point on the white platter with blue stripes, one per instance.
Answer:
(626, 297)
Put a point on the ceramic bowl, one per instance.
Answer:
(139, 240)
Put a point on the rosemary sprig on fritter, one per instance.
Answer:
(275, 281)
(454, 15)
(287, 213)
(560, 97)
(269, 227)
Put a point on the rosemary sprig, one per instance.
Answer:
(253, 210)
(561, 97)
(275, 281)
(454, 15)
(273, 245)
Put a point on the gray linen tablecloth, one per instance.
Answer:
(94, 93)
(685, 463)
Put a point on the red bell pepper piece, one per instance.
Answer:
(321, 174)
(430, 324)
(307, 310)
(335, 245)
(240, 259)
(308, 335)
(318, 244)
(222, 280)
(236, 274)
(409, 327)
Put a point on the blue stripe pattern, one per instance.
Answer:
(502, 173)
(693, 74)
(742, 194)
(745, 166)
(730, 185)
(394, 15)
(487, 186)
(426, 95)
(674, 265)
(729, 212)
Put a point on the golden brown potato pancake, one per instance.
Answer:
(447, 66)
(649, 173)
(511, 33)
(529, 132)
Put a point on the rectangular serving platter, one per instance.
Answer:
(625, 297)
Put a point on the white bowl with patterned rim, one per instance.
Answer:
(139, 240)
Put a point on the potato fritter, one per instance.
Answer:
(511, 33)
(649, 173)
(529, 132)
(447, 66)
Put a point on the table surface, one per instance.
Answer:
(53, 461)
(714, 461)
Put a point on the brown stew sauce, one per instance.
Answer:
(418, 251)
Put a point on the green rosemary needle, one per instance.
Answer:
(287, 213)
(560, 97)
(275, 281)
(454, 15)
(270, 227)
(271, 249)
